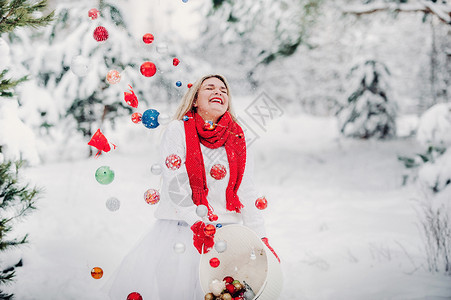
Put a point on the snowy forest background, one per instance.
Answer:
(352, 84)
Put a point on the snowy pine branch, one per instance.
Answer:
(6, 85)
(21, 13)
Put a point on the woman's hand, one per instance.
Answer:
(265, 241)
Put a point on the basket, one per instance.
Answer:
(261, 271)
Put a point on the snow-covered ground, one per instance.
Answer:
(338, 216)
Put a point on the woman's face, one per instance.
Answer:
(212, 99)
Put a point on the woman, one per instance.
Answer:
(206, 164)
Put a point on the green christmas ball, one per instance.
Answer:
(104, 175)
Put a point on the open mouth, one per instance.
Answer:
(216, 100)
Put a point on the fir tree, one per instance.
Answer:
(369, 111)
(16, 198)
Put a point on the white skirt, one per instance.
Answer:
(155, 270)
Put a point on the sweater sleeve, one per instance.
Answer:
(252, 217)
(175, 189)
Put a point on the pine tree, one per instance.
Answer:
(16, 198)
(369, 111)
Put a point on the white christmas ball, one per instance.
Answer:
(201, 210)
(79, 66)
(216, 287)
(221, 246)
(162, 48)
(113, 204)
(164, 119)
(155, 169)
(179, 248)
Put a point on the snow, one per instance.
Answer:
(338, 217)
(435, 125)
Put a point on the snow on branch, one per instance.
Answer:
(442, 11)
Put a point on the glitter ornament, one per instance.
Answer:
(113, 204)
(136, 117)
(96, 273)
(209, 125)
(179, 248)
(162, 48)
(173, 162)
(104, 175)
(150, 118)
(156, 169)
(221, 246)
(201, 210)
(210, 229)
(148, 69)
(152, 196)
(100, 34)
(218, 171)
(178, 83)
(148, 38)
(175, 61)
(113, 77)
(189, 85)
(261, 203)
(79, 66)
(134, 296)
(214, 262)
(93, 13)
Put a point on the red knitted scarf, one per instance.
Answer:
(226, 133)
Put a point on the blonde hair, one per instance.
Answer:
(190, 97)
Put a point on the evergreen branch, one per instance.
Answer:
(19, 13)
(8, 84)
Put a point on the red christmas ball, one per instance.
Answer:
(148, 38)
(214, 262)
(136, 117)
(189, 85)
(93, 13)
(261, 203)
(210, 229)
(134, 296)
(148, 69)
(173, 162)
(175, 61)
(228, 279)
(100, 34)
(218, 172)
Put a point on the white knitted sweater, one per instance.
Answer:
(176, 202)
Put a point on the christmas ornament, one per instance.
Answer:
(173, 162)
(136, 117)
(164, 119)
(213, 218)
(96, 273)
(113, 204)
(152, 196)
(218, 171)
(150, 118)
(179, 248)
(178, 83)
(228, 279)
(185, 118)
(104, 175)
(156, 169)
(175, 61)
(253, 256)
(148, 69)
(210, 229)
(134, 296)
(100, 34)
(230, 288)
(130, 98)
(162, 48)
(261, 203)
(209, 296)
(221, 246)
(93, 13)
(249, 293)
(209, 125)
(113, 77)
(79, 66)
(189, 85)
(216, 287)
(218, 225)
(148, 38)
(214, 262)
(238, 286)
(201, 210)
(100, 142)
(184, 1)
(226, 296)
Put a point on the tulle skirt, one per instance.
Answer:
(155, 270)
